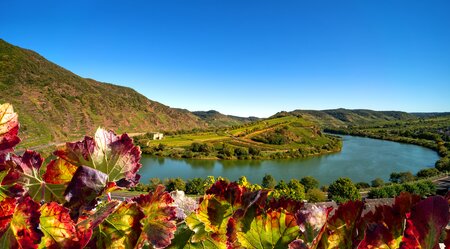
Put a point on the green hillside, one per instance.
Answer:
(344, 117)
(217, 119)
(55, 105)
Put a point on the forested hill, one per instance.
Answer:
(344, 117)
(217, 119)
(55, 104)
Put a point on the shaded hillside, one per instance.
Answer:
(217, 119)
(344, 117)
(55, 105)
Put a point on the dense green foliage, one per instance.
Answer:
(343, 190)
(309, 182)
(268, 181)
(422, 188)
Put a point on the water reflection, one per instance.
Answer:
(362, 159)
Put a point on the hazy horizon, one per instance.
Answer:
(252, 58)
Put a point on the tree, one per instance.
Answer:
(195, 186)
(239, 151)
(428, 172)
(153, 183)
(316, 195)
(401, 177)
(173, 184)
(343, 190)
(254, 151)
(361, 185)
(268, 181)
(309, 182)
(377, 182)
(227, 150)
(297, 189)
(443, 164)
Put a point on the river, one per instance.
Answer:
(361, 159)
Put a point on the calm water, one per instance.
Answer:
(361, 159)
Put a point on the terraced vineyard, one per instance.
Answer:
(282, 137)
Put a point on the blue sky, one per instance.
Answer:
(249, 57)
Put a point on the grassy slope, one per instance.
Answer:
(55, 105)
(217, 119)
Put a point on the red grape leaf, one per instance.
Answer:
(82, 191)
(89, 221)
(342, 226)
(58, 228)
(9, 128)
(425, 223)
(159, 222)
(120, 230)
(384, 226)
(116, 156)
(28, 169)
(22, 230)
(59, 172)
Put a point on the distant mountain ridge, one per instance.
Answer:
(54, 104)
(217, 119)
(343, 117)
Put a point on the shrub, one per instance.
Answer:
(316, 195)
(173, 184)
(309, 182)
(361, 185)
(429, 172)
(377, 182)
(195, 186)
(401, 177)
(268, 181)
(343, 190)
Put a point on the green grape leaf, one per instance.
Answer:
(425, 223)
(159, 222)
(183, 237)
(271, 229)
(120, 229)
(58, 228)
(19, 223)
(9, 128)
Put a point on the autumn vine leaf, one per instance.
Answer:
(159, 222)
(115, 156)
(19, 223)
(58, 228)
(425, 223)
(341, 229)
(9, 128)
(28, 169)
(120, 229)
